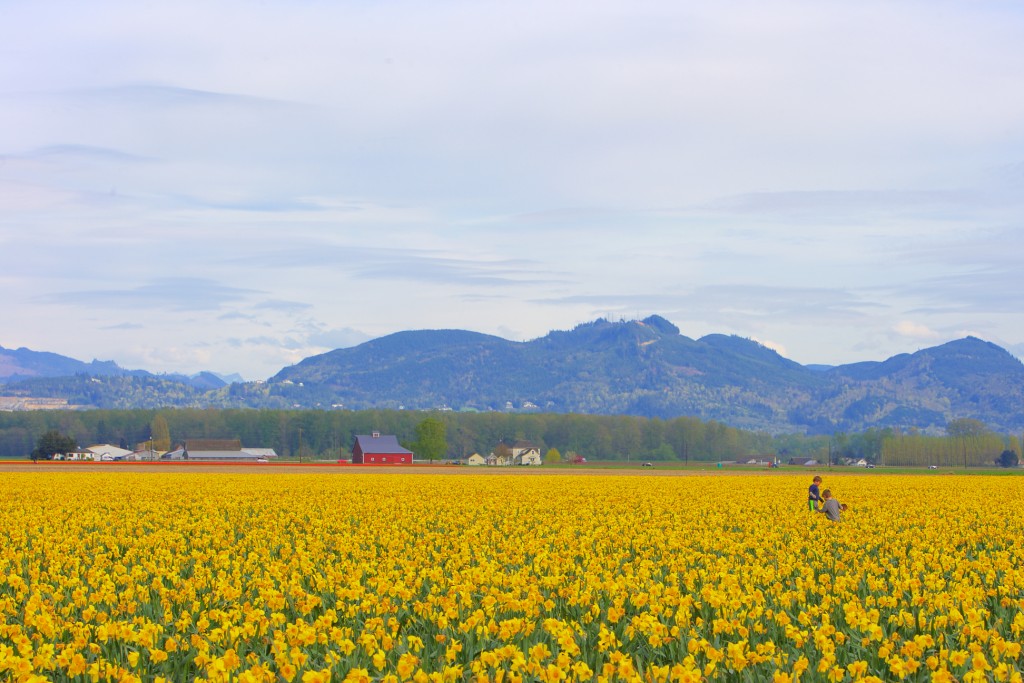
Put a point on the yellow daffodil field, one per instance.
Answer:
(175, 576)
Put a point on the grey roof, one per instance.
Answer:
(261, 452)
(221, 455)
(385, 443)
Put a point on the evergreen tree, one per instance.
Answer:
(1007, 458)
(51, 443)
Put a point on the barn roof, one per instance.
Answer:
(213, 445)
(221, 455)
(380, 443)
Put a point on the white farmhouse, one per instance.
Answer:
(526, 453)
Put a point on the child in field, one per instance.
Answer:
(831, 507)
(814, 494)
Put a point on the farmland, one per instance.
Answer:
(218, 576)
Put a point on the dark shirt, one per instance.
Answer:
(813, 493)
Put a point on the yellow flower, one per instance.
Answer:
(287, 671)
(317, 676)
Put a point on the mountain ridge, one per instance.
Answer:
(640, 367)
(647, 367)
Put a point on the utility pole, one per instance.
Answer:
(300, 444)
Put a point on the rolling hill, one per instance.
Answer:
(641, 367)
(647, 367)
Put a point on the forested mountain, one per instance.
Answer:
(23, 363)
(57, 374)
(648, 368)
(642, 367)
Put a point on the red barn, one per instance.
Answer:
(377, 450)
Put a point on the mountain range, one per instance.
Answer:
(640, 367)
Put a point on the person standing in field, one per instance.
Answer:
(814, 494)
(831, 507)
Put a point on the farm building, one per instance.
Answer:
(526, 453)
(106, 452)
(218, 449)
(375, 449)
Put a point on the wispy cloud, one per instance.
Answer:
(283, 306)
(420, 265)
(731, 304)
(124, 326)
(160, 95)
(177, 294)
(913, 330)
(337, 338)
(87, 152)
(843, 204)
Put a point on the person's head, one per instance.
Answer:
(817, 480)
(826, 494)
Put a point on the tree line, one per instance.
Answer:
(967, 443)
(331, 434)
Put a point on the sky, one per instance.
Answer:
(235, 186)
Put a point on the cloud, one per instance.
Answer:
(983, 248)
(236, 315)
(283, 306)
(337, 338)
(842, 204)
(154, 95)
(407, 264)
(124, 326)
(991, 291)
(1016, 349)
(81, 152)
(329, 162)
(734, 304)
(913, 330)
(774, 346)
(178, 294)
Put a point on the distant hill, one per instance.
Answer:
(21, 364)
(641, 367)
(648, 368)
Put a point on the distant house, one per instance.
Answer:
(803, 462)
(81, 454)
(526, 453)
(379, 449)
(106, 453)
(501, 459)
(476, 460)
(177, 454)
